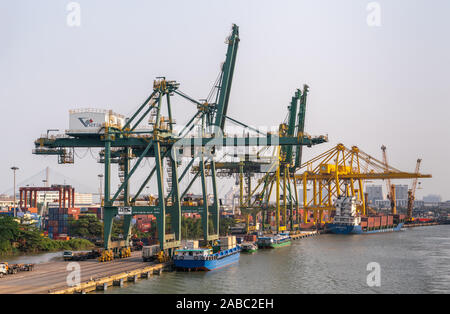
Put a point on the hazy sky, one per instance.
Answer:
(368, 85)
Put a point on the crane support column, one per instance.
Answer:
(215, 208)
(126, 199)
(175, 210)
(161, 218)
(107, 211)
(205, 212)
(277, 218)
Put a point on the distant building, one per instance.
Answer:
(374, 193)
(6, 201)
(418, 204)
(444, 205)
(383, 204)
(50, 197)
(401, 195)
(83, 199)
(432, 198)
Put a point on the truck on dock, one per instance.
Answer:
(3, 270)
(9, 269)
(150, 253)
(81, 256)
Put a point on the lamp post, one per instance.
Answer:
(100, 176)
(14, 169)
(44, 204)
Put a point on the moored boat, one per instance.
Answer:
(272, 242)
(223, 253)
(204, 258)
(249, 247)
(348, 221)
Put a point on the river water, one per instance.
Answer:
(415, 260)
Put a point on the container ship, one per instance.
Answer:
(194, 258)
(272, 242)
(348, 221)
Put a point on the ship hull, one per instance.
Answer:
(207, 265)
(273, 245)
(249, 250)
(345, 229)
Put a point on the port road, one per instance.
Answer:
(53, 275)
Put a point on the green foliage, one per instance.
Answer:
(88, 226)
(117, 228)
(225, 224)
(192, 228)
(9, 229)
(16, 238)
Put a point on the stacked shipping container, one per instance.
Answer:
(382, 221)
(144, 222)
(92, 210)
(227, 242)
(58, 221)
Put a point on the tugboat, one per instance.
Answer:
(274, 242)
(348, 221)
(205, 259)
(249, 247)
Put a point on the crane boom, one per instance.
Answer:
(291, 124)
(227, 78)
(386, 165)
(301, 125)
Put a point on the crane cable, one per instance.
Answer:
(75, 152)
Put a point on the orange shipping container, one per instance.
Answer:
(32, 210)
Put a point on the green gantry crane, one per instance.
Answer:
(161, 142)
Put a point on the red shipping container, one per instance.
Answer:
(377, 221)
(72, 211)
(363, 224)
(308, 225)
(390, 220)
(250, 238)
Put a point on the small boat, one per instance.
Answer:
(274, 242)
(249, 247)
(205, 259)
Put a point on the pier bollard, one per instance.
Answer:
(133, 278)
(145, 274)
(118, 283)
(102, 287)
(157, 271)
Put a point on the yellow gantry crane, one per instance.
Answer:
(412, 191)
(390, 188)
(342, 171)
(337, 171)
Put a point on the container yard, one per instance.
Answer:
(189, 189)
